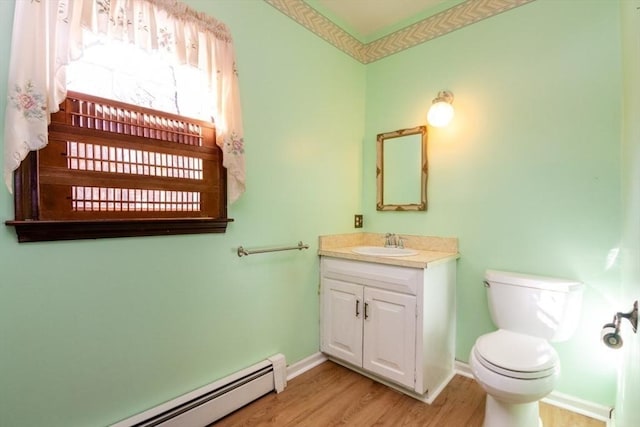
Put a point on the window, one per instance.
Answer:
(102, 166)
(114, 169)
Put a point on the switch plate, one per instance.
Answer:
(357, 221)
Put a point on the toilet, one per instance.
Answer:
(516, 365)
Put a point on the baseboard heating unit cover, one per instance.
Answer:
(213, 401)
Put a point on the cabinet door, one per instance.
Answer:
(390, 335)
(342, 320)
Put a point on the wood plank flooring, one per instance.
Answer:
(331, 395)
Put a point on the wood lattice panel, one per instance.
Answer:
(117, 160)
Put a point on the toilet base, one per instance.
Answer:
(502, 414)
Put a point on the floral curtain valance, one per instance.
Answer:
(48, 34)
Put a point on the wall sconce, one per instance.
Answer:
(441, 111)
(611, 331)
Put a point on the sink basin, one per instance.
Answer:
(382, 251)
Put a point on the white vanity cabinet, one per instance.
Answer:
(396, 324)
(371, 328)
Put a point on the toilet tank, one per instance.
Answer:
(544, 307)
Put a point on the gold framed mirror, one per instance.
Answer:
(402, 170)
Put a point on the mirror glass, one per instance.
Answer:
(402, 170)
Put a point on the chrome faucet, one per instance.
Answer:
(390, 240)
(393, 241)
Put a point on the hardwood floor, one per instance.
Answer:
(331, 395)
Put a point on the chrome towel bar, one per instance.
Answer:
(245, 252)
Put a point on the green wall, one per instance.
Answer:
(527, 175)
(94, 331)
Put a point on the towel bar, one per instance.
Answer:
(246, 252)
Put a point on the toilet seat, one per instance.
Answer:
(516, 355)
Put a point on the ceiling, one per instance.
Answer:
(363, 18)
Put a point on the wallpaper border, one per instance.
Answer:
(467, 13)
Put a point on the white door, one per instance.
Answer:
(342, 320)
(627, 408)
(390, 335)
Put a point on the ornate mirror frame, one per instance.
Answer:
(420, 205)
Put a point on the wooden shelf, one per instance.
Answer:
(40, 231)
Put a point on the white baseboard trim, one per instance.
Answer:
(564, 401)
(305, 364)
(436, 392)
(462, 368)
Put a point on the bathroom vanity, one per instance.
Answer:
(391, 318)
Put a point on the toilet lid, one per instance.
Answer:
(517, 355)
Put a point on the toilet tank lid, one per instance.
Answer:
(533, 281)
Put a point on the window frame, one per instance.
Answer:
(30, 225)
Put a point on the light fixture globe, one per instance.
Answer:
(441, 111)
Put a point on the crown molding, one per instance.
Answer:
(467, 13)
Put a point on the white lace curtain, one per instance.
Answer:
(47, 34)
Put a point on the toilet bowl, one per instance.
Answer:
(515, 368)
(516, 371)
(516, 365)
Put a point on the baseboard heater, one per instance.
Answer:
(208, 404)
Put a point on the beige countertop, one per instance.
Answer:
(431, 250)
